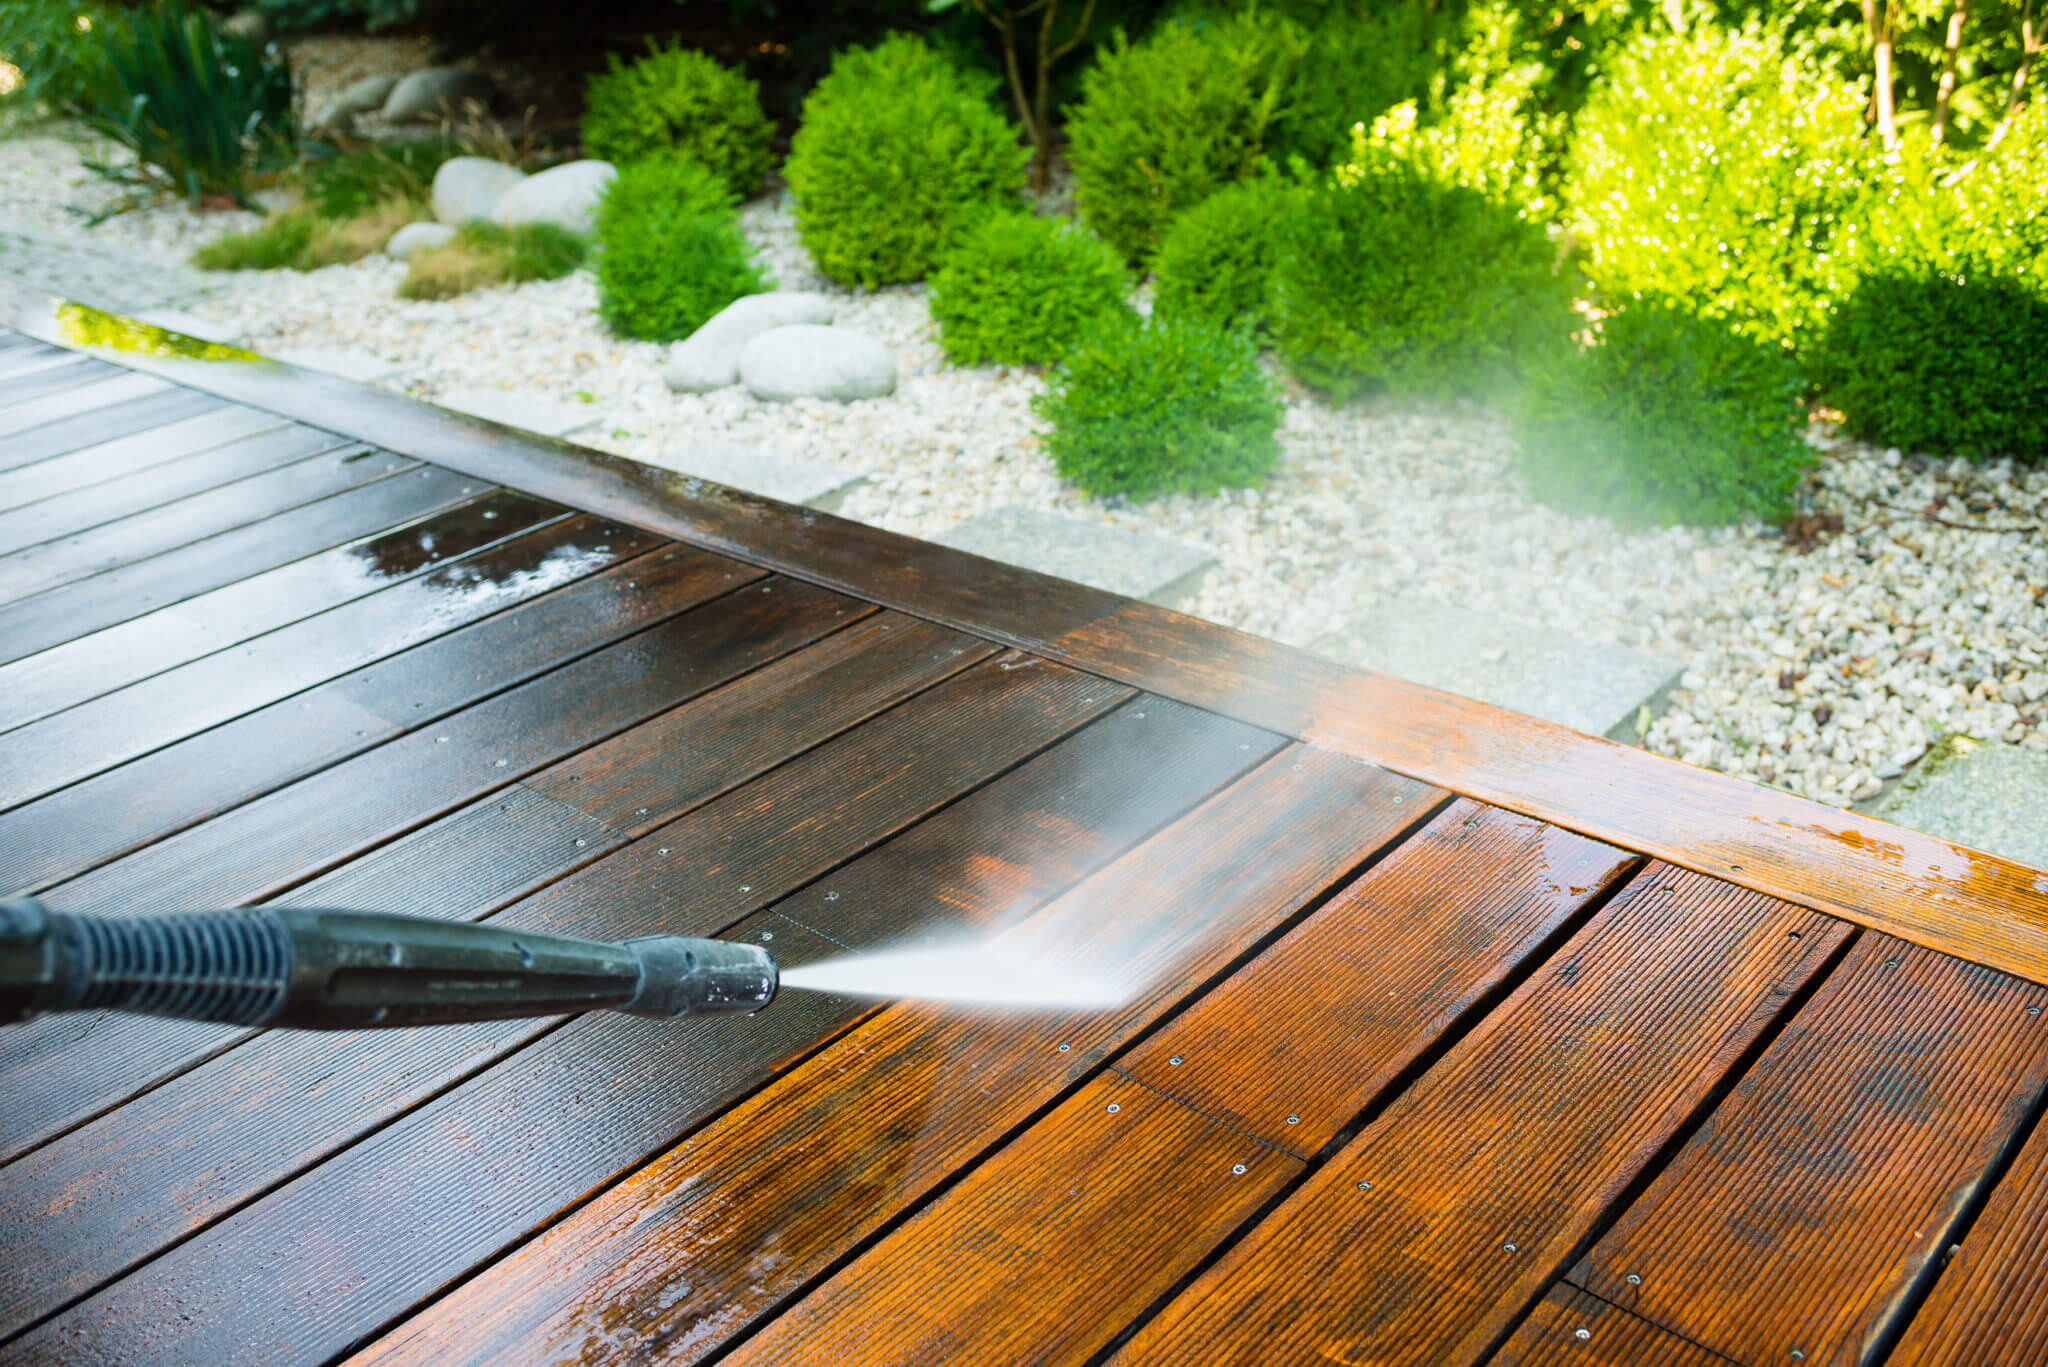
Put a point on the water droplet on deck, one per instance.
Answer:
(831, 896)
(497, 764)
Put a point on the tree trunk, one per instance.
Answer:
(1947, 89)
(1877, 19)
(2030, 43)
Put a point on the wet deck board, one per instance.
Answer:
(1372, 935)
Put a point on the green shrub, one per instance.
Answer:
(350, 184)
(57, 51)
(676, 98)
(1018, 289)
(897, 156)
(1390, 279)
(1166, 122)
(1719, 170)
(670, 254)
(482, 255)
(1170, 405)
(1942, 363)
(1217, 261)
(201, 110)
(1357, 65)
(1669, 417)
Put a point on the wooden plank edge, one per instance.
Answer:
(1948, 897)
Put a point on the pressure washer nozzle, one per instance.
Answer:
(342, 970)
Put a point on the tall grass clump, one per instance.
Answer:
(482, 255)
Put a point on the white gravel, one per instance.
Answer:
(1821, 672)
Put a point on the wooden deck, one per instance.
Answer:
(1454, 1036)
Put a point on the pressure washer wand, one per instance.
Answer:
(345, 970)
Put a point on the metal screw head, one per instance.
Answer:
(1365, 1186)
(831, 896)
(640, 812)
(1582, 1334)
(1114, 1108)
(2033, 1010)
(1237, 1168)
(1799, 1355)
(1507, 1248)
(1175, 1060)
(1891, 963)
(1066, 1048)
(581, 842)
(662, 850)
(497, 764)
(1633, 1280)
(767, 934)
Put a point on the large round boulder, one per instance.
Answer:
(472, 187)
(415, 237)
(437, 92)
(807, 361)
(564, 195)
(366, 96)
(709, 358)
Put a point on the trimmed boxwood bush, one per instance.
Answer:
(679, 99)
(1167, 405)
(1217, 261)
(1717, 169)
(1017, 290)
(670, 254)
(1164, 123)
(1397, 281)
(899, 153)
(1669, 417)
(1954, 364)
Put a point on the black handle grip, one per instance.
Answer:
(335, 970)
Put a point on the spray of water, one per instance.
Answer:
(979, 975)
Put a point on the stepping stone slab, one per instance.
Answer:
(523, 410)
(359, 366)
(1988, 795)
(808, 361)
(435, 92)
(415, 237)
(564, 195)
(471, 187)
(1098, 554)
(1596, 688)
(793, 479)
(709, 358)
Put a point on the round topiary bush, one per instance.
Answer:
(1717, 169)
(677, 98)
(898, 155)
(1669, 417)
(1943, 363)
(669, 253)
(1141, 408)
(1017, 289)
(1217, 261)
(1164, 123)
(1398, 281)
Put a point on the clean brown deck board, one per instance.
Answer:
(782, 1186)
(1399, 1249)
(815, 735)
(1803, 1214)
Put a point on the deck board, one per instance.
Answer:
(1374, 934)
(1804, 1215)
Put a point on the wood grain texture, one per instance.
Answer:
(19, 389)
(1426, 1238)
(73, 830)
(1569, 1328)
(1801, 1216)
(1990, 1306)
(78, 400)
(64, 676)
(123, 458)
(684, 1255)
(1295, 1046)
(1918, 887)
(514, 1145)
(189, 698)
(93, 530)
(25, 358)
(672, 763)
(1048, 1247)
(263, 848)
(137, 417)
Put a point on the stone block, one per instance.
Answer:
(1987, 795)
(1588, 685)
(359, 366)
(527, 411)
(1099, 554)
(793, 479)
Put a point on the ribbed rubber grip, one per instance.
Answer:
(224, 966)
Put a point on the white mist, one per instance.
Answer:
(977, 975)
